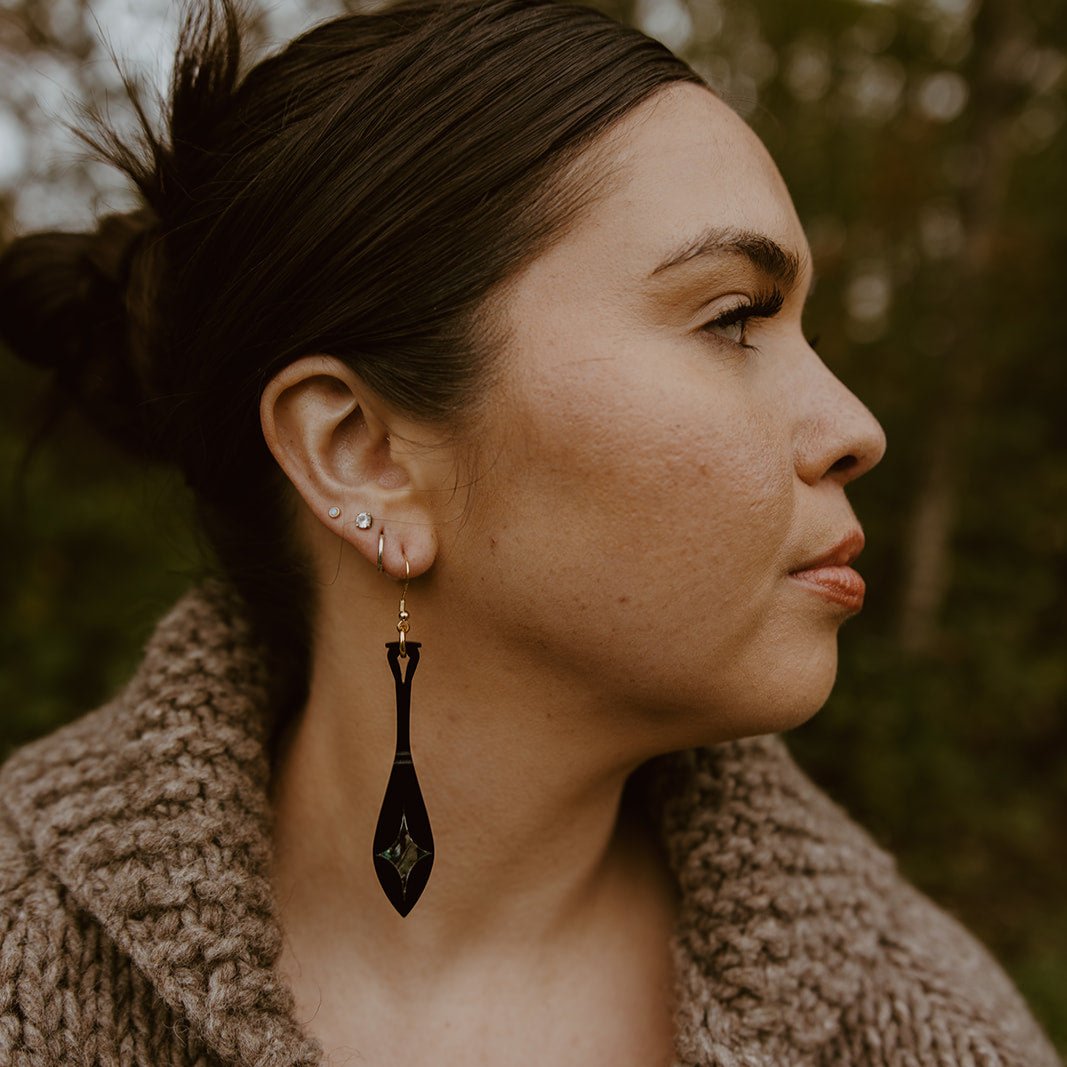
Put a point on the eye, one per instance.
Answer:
(732, 324)
(732, 331)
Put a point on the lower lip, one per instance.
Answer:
(841, 584)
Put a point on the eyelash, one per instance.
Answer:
(764, 306)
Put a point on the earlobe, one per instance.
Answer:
(417, 552)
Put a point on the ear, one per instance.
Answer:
(341, 447)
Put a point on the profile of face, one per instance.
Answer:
(662, 449)
(663, 472)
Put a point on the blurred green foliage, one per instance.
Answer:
(925, 148)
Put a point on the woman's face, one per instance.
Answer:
(649, 481)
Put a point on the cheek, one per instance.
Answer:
(719, 490)
(651, 489)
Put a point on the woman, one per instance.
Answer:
(475, 328)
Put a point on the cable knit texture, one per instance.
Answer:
(137, 924)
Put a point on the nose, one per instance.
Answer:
(838, 436)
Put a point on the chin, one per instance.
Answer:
(775, 702)
(800, 696)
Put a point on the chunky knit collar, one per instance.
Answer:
(152, 810)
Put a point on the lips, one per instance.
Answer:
(839, 555)
(830, 574)
(841, 584)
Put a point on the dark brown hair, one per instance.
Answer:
(363, 191)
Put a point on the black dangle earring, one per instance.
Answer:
(403, 843)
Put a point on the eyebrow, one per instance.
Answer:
(761, 251)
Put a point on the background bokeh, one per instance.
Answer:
(925, 146)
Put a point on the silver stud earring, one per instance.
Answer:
(364, 520)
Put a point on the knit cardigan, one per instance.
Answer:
(137, 924)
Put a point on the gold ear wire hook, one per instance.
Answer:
(403, 615)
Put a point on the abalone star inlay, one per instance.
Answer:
(404, 853)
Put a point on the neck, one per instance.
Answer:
(533, 834)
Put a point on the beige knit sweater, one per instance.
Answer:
(137, 923)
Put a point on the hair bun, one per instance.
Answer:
(63, 306)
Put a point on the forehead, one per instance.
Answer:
(683, 162)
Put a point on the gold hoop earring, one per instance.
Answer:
(381, 546)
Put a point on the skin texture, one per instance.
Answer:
(611, 584)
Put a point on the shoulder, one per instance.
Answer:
(929, 987)
(50, 948)
(940, 985)
(27, 775)
(35, 950)
(801, 931)
(68, 992)
(16, 867)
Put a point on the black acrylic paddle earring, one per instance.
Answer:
(403, 843)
